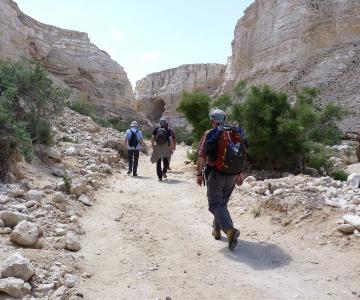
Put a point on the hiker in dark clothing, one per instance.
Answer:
(221, 175)
(134, 140)
(161, 143)
(173, 148)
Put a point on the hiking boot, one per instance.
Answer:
(165, 176)
(135, 174)
(232, 235)
(160, 178)
(129, 172)
(216, 234)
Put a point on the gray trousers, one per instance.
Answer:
(219, 189)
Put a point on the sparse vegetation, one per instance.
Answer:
(256, 212)
(340, 175)
(28, 100)
(281, 135)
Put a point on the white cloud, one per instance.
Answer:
(116, 34)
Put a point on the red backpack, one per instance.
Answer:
(225, 149)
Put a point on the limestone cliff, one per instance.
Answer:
(292, 43)
(159, 93)
(68, 55)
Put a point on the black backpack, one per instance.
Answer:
(133, 141)
(161, 136)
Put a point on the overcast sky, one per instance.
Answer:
(146, 36)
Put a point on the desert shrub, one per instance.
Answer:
(183, 135)
(196, 107)
(82, 107)
(339, 175)
(28, 100)
(30, 96)
(284, 136)
(119, 124)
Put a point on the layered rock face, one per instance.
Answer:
(291, 43)
(158, 94)
(68, 55)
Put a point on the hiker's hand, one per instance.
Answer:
(199, 179)
(240, 179)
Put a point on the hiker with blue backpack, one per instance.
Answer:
(221, 155)
(134, 141)
(162, 145)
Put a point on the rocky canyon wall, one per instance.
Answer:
(287, 44)
(68, 56)
(158, 94)
(292, 43)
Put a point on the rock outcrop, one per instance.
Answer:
(68, 55)
(159, 93)
(289, 44)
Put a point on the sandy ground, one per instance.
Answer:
(149, 240)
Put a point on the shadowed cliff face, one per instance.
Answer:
(159, 93)
(67, 55)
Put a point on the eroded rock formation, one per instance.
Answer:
(289, 44)
(68, 55)
(159, 93)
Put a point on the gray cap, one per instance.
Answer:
(163, 121)
(134, 124)
(218, 115)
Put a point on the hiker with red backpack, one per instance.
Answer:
(161, 143)
(134, 140)
(221, 155)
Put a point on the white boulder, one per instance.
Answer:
(353, 220)
(25, 234)
(72, 242)
(14, 287)
(346, 228)
(17, 266)
(11, 217)
(353, 180)
(35, 195)
(85, 200)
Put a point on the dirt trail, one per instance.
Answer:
(148, 239)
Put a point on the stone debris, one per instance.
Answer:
(11, 218)
(25, 234)
(354, 180)
(72, 242)
(84, 199)
(14, 287)
(17, 266)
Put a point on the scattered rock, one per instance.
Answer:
(14, 287)
(353, 180)
(85, 200)
(58, 198)
(11, 217)
(60, 294)
(5, 230)
(346, 228)
(35, 195)
(17, 193)
(78, 187)
(59, 232)
(25, 234)
(70, 280)
(72, 242)
(353, 220)
(17, 266)
(2, 223)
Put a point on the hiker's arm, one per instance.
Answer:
(152, 142)
(199, 170)
(240, 179)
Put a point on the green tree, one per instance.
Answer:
(28, 100)
(196, 108)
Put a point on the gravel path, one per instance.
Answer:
(148, 239)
